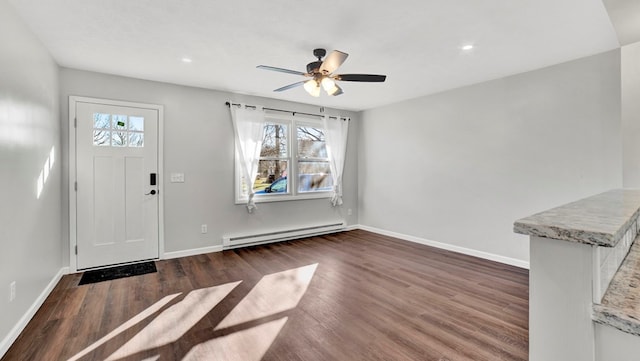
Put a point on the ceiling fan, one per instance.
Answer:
(321, 73)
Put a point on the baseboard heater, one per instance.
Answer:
(229, 242)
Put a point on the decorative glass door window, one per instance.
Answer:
(115, 130)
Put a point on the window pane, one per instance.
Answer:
(314, 177)
(272, 177)
(119, 139)
(136, 123)
(102, 137)
(311, 143)
(279, 186)
(101, 121)
(119, 121)
(274, 142)
(136, 139)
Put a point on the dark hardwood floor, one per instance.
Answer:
(348, 296)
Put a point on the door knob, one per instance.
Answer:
(153, 192)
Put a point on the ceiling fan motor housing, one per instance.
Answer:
(319, 53)
(314, 67)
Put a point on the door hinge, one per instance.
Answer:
(75, 186)
(76, 249)
(75, 122)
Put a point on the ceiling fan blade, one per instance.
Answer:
(281, 70)
(372, 78)
(287, 87)
(333, 61)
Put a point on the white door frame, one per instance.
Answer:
(73, 261)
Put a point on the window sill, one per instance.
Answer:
(286, 197)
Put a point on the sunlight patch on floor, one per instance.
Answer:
(234, 347)
(175, 321)
(273, 294)
(131, 322)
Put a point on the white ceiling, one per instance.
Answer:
(625, 16)
(416, 43)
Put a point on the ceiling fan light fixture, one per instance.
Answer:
(312, 87)
(329, 85)
(333, 91)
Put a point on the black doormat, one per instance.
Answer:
(112, 273)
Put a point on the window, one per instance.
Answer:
(293, 162)
(274, 158)
(313, 162)
(117, 130)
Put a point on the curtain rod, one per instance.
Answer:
(287, 111)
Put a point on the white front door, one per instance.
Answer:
(117, 216)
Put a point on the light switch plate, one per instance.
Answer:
(177, 177)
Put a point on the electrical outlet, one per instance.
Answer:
(349, 212)
(204, 228)
(12, 291)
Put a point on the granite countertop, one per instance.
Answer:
(620, 306)
(599, 220)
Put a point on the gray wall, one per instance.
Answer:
(199, 142)
(30, 240)
(631, 114)
(460, 166)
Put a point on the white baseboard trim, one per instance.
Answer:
(192, 252)
(31, 311)
(449, 247)
(219, 248)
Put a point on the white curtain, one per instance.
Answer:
(248, 126)
(336, 141)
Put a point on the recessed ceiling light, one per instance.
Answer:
(186, 60)
(467, 47)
